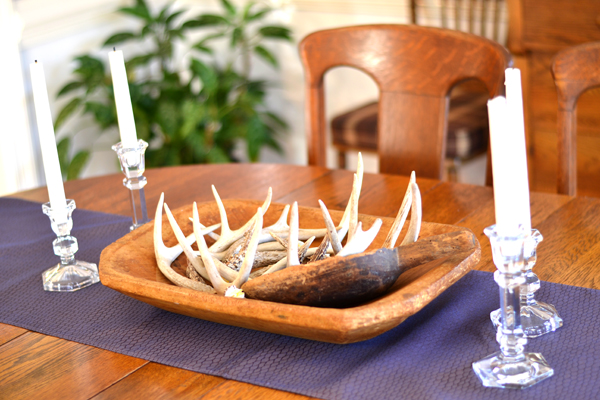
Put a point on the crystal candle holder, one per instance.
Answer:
(70, 274)
(133, 165)
(537, 318)
(511, 367)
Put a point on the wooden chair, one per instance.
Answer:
(468, 130)
(415, 68)
(575, 70)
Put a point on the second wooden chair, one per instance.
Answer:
(575, 70)
(415, 68)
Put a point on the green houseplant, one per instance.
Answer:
(194, 114)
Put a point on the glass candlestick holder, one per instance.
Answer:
(70, 274)
(133, 165)
(511, 367)
(537, 318)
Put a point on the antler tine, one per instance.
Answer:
(334, 240)
(361, 240)
(280, 225)
(392, 237)
(217, 281)
(292, 250)
(246, 267)
(222, 213)
(281, 229)
(210, 234)
(227, 235)
(281, 264)
(166, 255)
(226, 272)
(321, 251)
(351, 213)
(305, 248)
(354, 196)
(416, 216)
(279, 240)
(349, 218)
(187, 249)
(353, 222)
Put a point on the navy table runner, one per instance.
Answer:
(428, 356)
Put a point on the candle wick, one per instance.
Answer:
(36, 61)
(114, 49)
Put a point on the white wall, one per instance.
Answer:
(17, 163)
(55, 31)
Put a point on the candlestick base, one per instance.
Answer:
(511, 367)
(70, 274)
(71, 277)
(499, 371)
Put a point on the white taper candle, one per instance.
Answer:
(514, 104)
(511, 198)
(56, 190)
(122, 99)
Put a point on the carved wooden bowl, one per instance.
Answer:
(129, 266)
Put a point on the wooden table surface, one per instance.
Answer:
(33, 365)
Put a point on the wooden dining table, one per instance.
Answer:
(34, 365)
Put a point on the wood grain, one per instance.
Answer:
(184, 184)
(538, 30)
(43, 367)
(36, 366)
(552, 25)
(448, 203)
(154, 381)
(569, 234)
(9, 332)
(243, 391)
(575, 70)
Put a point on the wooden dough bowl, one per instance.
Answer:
(129, 266)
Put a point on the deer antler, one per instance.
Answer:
(220, 285)
(361, 239)
(166, 255)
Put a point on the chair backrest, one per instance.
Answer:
(415, 68)
(575, 70)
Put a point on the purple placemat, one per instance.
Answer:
(429, 356)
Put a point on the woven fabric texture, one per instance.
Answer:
(428, 356)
